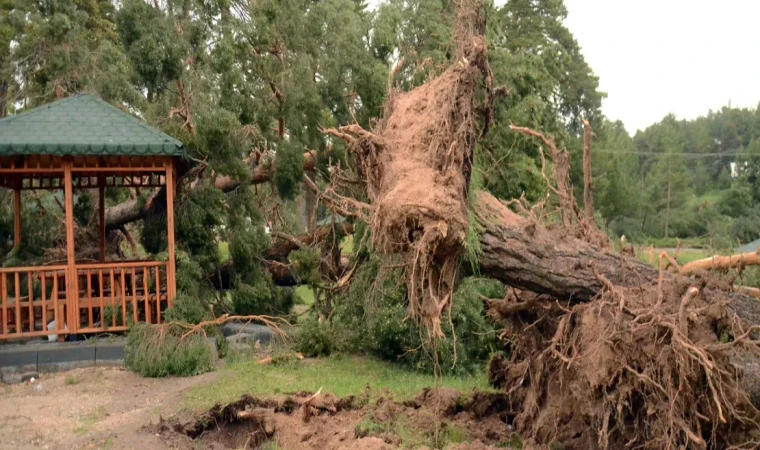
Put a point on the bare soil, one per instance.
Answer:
(97, 408)
(435, 419)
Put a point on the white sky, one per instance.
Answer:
(654, 57)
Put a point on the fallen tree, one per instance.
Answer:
(526, 255)
(606, 352)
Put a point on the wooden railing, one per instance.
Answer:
(111, 296)
(114, 295)
(32, 302)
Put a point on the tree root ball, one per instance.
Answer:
(633, 368)
(416, 164)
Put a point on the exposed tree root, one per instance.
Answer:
(589, 377)
(416, 166)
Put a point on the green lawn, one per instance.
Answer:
(306, 294)
(340, 376)
(224, 251)
(347, 245)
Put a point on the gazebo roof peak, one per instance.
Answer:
(83, 125)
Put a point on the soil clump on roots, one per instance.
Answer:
(649, 367)
(416, 164)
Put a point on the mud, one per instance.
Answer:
(435, 419)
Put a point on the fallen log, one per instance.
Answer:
(528, 256)
(618, 342)
(721, 262)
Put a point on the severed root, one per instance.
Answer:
(686, 300)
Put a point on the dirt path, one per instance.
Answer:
(98, 408)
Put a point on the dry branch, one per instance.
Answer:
(722, 262)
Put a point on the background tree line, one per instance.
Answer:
(682, 179)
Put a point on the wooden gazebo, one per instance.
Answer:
(78, 143)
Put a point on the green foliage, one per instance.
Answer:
(315, 338)
(305, 263)
(288, 171)
(187, 309)
(159, 351)
(151, 41)
(262, 298)
(372, 319)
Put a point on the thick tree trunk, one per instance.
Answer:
(530, 257)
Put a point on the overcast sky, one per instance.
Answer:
(654, 57)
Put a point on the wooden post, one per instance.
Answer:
(171, 285)
(72, 290)
(102, 216)
(16, 218)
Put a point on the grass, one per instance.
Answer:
(71, 380)
(306, 294)
(685, 256)
(347, 245)
(341, 376)
(224, 251)
(88, 421)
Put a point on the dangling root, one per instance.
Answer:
(416, 165)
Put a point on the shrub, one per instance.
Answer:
(314, 338)
(372, 319)
(187, 309)
(158, 351)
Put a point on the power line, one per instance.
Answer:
(689, 154)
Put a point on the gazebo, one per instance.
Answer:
(77, 143)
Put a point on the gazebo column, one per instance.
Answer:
(171, 288)
(72, 290)
(16, 218)
(102, 216)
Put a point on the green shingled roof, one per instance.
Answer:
(82, 125)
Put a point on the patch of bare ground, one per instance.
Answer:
(99, 408)
(439, 418)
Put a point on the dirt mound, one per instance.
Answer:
(343, 424)
(644, 368)
(446, 401)
(416, 164)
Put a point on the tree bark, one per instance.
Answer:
(530, 257)
(722, 262)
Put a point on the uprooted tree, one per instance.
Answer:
(605, 351)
